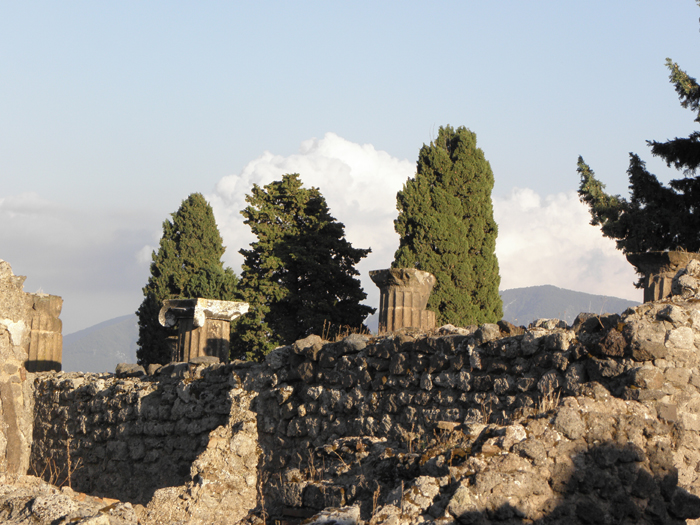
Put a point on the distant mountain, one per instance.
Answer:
(521, 306)
(101, 347)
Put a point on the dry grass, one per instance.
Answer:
(336, 333)
(548, 401)
(56, 475)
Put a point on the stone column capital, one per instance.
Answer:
(200, 310)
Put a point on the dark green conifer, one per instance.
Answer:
(299, 276)
(187, 264)
(656, 217)
(447, 228)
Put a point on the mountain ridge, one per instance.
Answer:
(101, 347)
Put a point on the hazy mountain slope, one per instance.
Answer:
(521, 306)
(100, 347)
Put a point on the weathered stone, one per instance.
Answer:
(677, 376)
(682, 338)
(204, 325)
(487, 332)
(569, 423)
(612, 345)
(334, 516)
(647, 378)
(659, 270)
(129, 370)
(309, 346)
(672, 313)
(404, 294)
(686, 282)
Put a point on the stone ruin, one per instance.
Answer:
(404, 294)
(659, 270)
(598, 422)
(30, 341)
(204, 326)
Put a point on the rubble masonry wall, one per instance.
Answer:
(130, 437)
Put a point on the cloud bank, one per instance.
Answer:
(358, 182)
(542, 240)
(98, 260)
(88, 257)
(548, 240)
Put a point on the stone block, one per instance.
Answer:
(399, 363)
(667, 412)
(681, 338)
(648, 378)
(677, 376)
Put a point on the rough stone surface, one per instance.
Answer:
(404, 294)
(16, 396)
(551, 425)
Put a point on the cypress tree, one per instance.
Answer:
(299, 276)
(186, 265)
(447, 228)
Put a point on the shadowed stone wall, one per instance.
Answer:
(378, 422)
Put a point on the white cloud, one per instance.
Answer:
(143, 256)
(542, 240)
(550, 241)
(87, 257)
(358, 182)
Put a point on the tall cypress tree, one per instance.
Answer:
(187, 264)
(299, 276)
(447, 228)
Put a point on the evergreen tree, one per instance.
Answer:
(446, 226)
(187, 264)
(656, 217)
(299, 276)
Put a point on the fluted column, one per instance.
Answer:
(45, 338)
(204, 326)
(404, 294)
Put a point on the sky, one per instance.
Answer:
(112, 113)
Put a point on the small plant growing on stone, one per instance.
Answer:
(338, 333)
(485, 412)
(548, 401)
(375, 499)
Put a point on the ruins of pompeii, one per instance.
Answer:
(598, 422)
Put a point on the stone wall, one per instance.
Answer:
(126, 438)
(485, 423)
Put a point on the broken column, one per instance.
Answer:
(404, 294)
(204, 326)
(45, 338)
(19, 338)
(659, 269)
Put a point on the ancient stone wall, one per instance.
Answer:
(126, 438)
(414, 426)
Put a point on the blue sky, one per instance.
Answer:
(112, 113)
